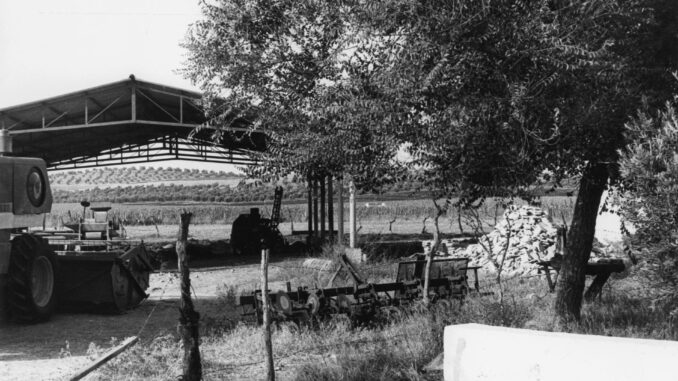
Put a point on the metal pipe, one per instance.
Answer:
(309, 210)
(315, 207)
(330, 207)
(322, 208)
(340, 210)
(351, 214)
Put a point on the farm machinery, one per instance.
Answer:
(363, 301)
(248, 230)
(41, 271)
(99, 225)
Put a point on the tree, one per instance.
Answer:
(489, 96)
(288, 68)
(647, 200)
(498, 94)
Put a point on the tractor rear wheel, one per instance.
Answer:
(31, 284)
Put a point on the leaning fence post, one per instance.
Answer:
(188, 321)
(270, 372)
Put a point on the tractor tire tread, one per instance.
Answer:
(21, 306)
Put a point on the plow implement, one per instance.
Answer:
(364, 301)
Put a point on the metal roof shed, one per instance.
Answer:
(130, 121)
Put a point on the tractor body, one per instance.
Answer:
(40, 270)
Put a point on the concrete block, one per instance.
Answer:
(479, 352)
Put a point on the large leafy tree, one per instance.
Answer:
(496, 94)
(288, 67)
(488, 95)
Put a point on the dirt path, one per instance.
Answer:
(58, 348)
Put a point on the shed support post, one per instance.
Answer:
(309, 210)
(340, 210)
(134, 102)
(351, 214)
(315, 207)
(330, 208)
(323, 215)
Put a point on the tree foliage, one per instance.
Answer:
(498, 94)
(488, 96)
(648, 198)
(289, 68)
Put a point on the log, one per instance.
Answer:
(105, 358)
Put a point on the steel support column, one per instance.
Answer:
(323, 215)
(330, 208)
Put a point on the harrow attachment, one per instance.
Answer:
(363, 301)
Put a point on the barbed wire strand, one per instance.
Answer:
(148, 318)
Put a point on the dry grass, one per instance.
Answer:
(396, 349)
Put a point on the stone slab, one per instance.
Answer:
(479, 352)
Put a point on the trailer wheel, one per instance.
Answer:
(31, 284)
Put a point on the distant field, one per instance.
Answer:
(147, 185)
(230, 182)
(110, 176)
(372, 216)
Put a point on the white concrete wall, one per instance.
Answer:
(479, 352)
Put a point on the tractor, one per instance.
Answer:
(249, 230)
(40, 270)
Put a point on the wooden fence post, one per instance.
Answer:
(188, 321)
(270, 372)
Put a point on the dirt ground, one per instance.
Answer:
(59, 348)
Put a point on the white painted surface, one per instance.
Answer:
(479, 352)
(10, 221)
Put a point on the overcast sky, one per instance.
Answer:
(52, 47)
(49, 47)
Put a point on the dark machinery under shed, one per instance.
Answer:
(251, 229)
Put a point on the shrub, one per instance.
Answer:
(648, 199)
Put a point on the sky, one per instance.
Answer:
(48, 47)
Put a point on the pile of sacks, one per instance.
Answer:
(529, 234)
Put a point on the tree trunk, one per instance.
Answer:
(570, 287)
(434, 249)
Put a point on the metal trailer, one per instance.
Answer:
(363, 301)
